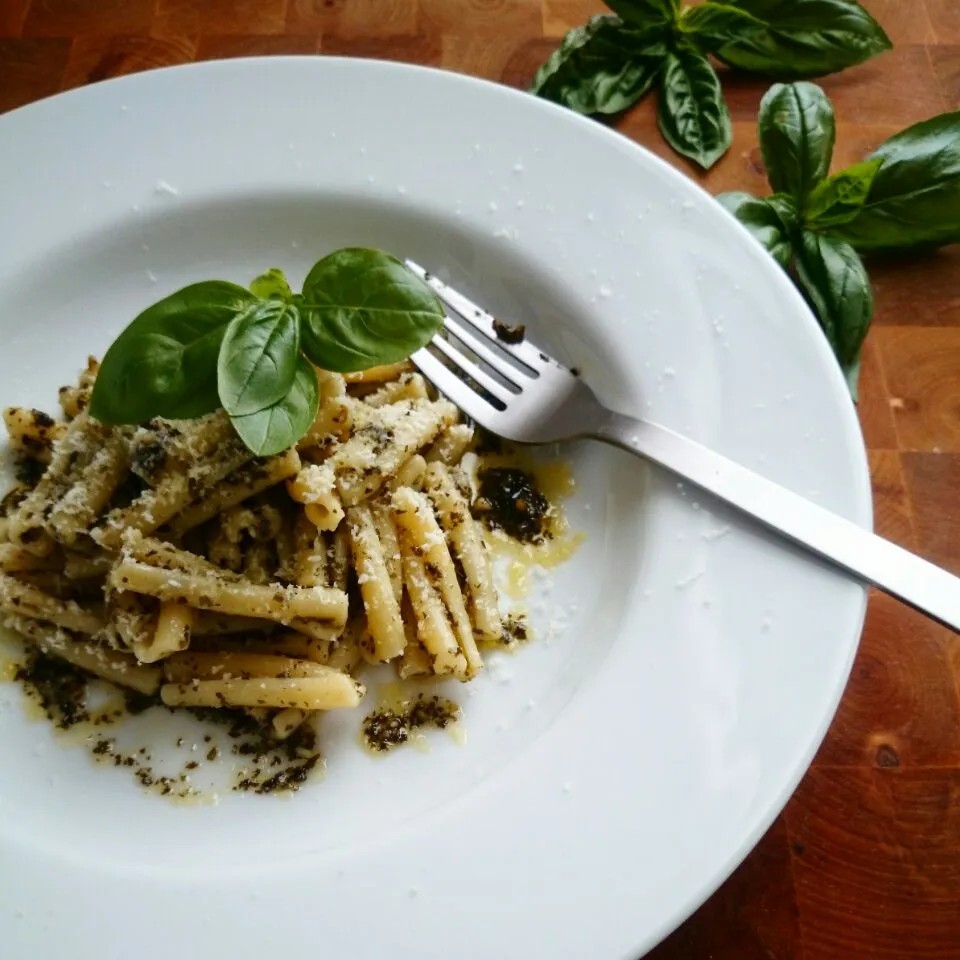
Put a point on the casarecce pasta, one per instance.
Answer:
(168, 559)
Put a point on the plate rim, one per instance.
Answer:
(854, 440)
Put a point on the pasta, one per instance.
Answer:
(32, 432)
(192, 458)
(422, 539)
(453, 515)
(28, 524)
(376, 588)
(330, 691)
(98, 660)
(235, 488)
(167, 559)
(156, 569)
(171, 632)
(315, 487)
(20, 598)
(383, 438)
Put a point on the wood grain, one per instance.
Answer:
(865, 862)
(13, 13)
(892, 507)
(31, 69)
(559, 16)
(922, 368)
(946, 66)
(877, 862)
(876, 415)
(222, 46)
(422, 48)
(900, 708)
(918, 291)
(905, 22)
(932, 482)
(70, 18)
(875, 93)
(238, 17)
(99, 57)
(376, 19)
(945, 20)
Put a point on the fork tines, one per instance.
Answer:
(478, 353)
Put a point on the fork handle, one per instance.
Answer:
(868, 557)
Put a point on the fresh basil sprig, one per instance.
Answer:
(904, 197)
(362, 308)
(283, 423)
(609, 63)
(215, 344)
(160, 366)
(258, 357)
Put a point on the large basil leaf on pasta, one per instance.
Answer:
(258, 357)
(279, 426)
(363, 307)
(164, 363)
(601, 67)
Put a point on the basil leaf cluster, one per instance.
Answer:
(609, 63)
(252, 351)
(903, 198)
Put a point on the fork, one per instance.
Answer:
(524, 395)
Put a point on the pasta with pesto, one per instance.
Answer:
(168, 559)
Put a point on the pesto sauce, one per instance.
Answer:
(265, 765)
(509, 499)
(391, 725)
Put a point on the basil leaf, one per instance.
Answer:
(797, 131)
(279, 426)
(693, 114)
(362, 308)
(258, 357)
(271, 285)
(802, 38)
(838, 199)
(711, 25)
(833, 277)
(764, 221)
(644, 13)
(164, 363)
(786, 210)
(601, 67)
(914, 201)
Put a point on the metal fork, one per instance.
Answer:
(534, 399)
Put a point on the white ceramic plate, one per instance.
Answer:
(614, 774)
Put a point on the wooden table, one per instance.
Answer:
(864, 864)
